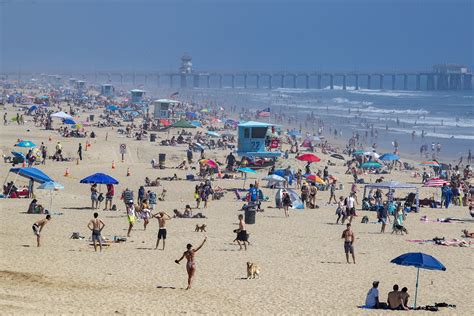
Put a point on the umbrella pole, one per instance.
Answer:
(416, 289)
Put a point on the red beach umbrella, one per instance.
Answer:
(309, 158)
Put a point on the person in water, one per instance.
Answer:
(191, 264)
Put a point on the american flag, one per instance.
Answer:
(264, 113)
(174, 94)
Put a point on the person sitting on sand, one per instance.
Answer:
(372, 298)
(188, 213)
(182, 165)
(395, 299)
(468, 234)
(191, 264)
(405, 296)
(35, 208)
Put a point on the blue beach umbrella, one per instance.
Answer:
(213, 134)
(420, 261)
(191, 115)
(51, 186)
(389, 157)
(112, 107)
(246, 170)
(32, 108)
(69, 122)
(370, 164)
(99, 178)
(18, 155)
(196, 123)
(294, 133)
(25, 144)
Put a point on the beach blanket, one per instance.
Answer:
(441, 242)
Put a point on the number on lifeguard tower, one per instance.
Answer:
(255, 145)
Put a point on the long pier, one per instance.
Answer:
(427, 80)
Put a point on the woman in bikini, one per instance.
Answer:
(191, 264)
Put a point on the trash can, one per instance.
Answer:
(152, 137)
(250, 216)
(91, 117)
(161, 160)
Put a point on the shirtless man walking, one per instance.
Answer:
(349, 239)
(96, 225)
(242, 233)
(162, 217)
(38, 227)
(191, 264)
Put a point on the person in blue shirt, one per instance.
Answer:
(448, 195)
(141, 193)
(253, 191)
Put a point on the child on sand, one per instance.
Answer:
(131, 217)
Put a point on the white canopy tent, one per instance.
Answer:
(61, 115)
(393, 185)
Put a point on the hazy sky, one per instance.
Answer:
(54, 35)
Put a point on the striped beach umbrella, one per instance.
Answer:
(430, 163)
(435, 183)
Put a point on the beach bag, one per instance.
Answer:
(152, 198)
(101, 197)
(365, 205)
(365, 220)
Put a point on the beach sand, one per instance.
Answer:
(303, 269)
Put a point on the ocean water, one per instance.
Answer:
(444, 117)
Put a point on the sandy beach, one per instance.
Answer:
(302, 261)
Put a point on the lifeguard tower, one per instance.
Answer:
(137, 96)
(72, 82)
(55, 80)
(80, 86)
(107, 90)
(162, 108)
(253, 139)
